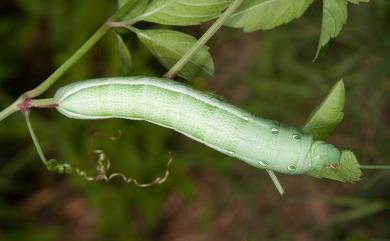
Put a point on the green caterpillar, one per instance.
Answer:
(259, 142)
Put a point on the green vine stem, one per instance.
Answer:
(203, 40)
(9, 110)
(35, 139)
(77, 55)
(43, 103)
(67, 65)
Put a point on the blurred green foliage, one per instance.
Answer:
(208, 196)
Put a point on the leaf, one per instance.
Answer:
(328, 114)
(169, 46)
(266, 14)
(183, 12)
(334, 16)
(348, 169)
(137, 8)
(124, 54)
(123, 2)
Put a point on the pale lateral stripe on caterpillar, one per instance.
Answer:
(259, 142)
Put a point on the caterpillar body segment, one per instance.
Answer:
(261, 143)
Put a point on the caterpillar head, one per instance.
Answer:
(323, 154)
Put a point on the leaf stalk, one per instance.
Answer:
(203, 40)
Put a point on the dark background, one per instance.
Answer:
(208, 196)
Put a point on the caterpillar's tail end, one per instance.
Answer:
(346, 170)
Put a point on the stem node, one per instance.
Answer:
(24, 104)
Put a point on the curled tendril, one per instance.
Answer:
(54, 166)
(102, 168)
(61, 168)
(103, 165)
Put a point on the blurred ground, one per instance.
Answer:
(208, 196)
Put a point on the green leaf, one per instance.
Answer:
(266, 14)
(348, 169)
(169, 46)
(123, 2)
(137, 8)
(124, 54)
(328, 114)
(334, 16)
(183, 12)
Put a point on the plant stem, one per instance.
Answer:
(9, 110)
(43, 103)
(35, 139)
(69, 63)
(203, 40)
(77, 55)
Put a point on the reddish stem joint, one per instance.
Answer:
(27, 104)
